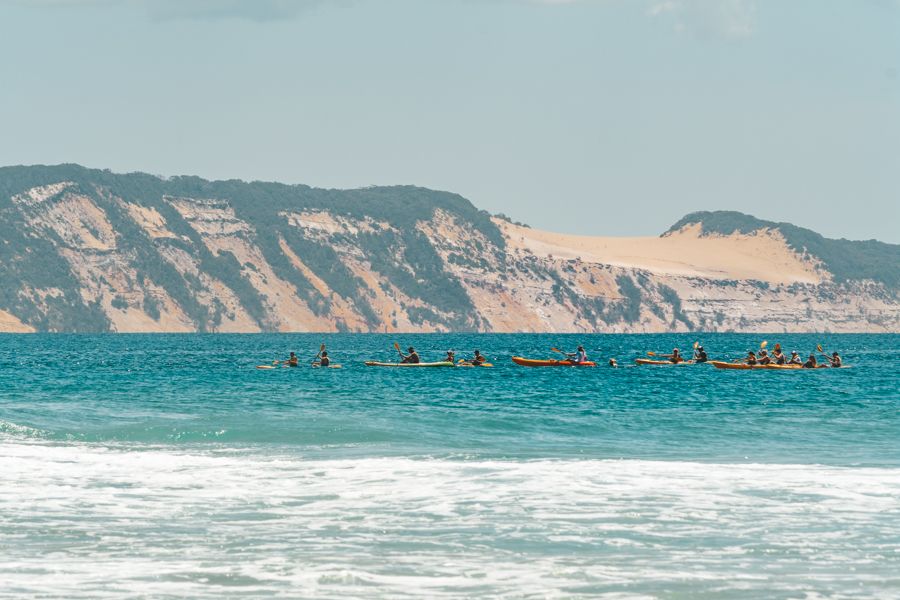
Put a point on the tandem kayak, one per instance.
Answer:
(649, 361)
(530, 362)
(372, 363)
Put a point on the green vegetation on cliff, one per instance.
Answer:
(847, 260)
(29, 262)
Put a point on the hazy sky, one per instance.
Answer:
(603, 117)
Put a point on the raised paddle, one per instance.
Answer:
(397, 346)
(558, 350)
(321, 350)
(763, 344)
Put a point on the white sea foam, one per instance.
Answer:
(85, 521)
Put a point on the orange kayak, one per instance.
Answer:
(530, 362)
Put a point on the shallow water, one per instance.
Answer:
(169, 466)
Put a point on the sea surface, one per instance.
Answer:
(168, 466)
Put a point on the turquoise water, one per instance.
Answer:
(169, 466)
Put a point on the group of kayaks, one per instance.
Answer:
(578, 359)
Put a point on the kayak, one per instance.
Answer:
(471, 365)
(266, 367)
(328, 367)
(373, 363)
(530, 362)
(649, 361)
(745, 367)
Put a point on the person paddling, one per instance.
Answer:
(578, 357)
(764, 358)
(613, 363)
(795, 358)
(292, 361)
(451, 356)
(676, 357)
(835, 360)
(477, 360)
(411, 358)
(810, 362)
(700, 355)
(778, 356)
(323, 360)
(751, 358)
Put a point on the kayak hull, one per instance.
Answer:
(373, 363)
(472, 365)
(745, 367)
(530, 362)
(648, 361)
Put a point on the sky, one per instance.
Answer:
(597, 117)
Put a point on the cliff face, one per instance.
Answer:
(87, 250)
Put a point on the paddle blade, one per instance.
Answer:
(696, 345)
(819, 347)
(321, 348)
(397, 346)
(763, 345)
(556, 350)
(651, 354)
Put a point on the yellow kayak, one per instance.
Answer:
(373, 363)
(649, 361)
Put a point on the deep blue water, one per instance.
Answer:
(150, 463)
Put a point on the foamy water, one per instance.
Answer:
(88, 521)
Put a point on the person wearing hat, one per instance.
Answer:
(676, 357)
(795, 358)
(411, 358)
(764, 358)
(700, 355)
(579, 356)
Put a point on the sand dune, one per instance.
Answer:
(762, 256)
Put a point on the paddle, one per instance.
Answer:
(321, 350)
(558, 350)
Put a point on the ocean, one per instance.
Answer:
(168, 466)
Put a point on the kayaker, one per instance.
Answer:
(764, 358)
(810, 362)
(579, 356)
(676, 357)
(700, 355)
(613, 363)
(411, 358)
(323, 361)
(451, 356)
(478, 359)
(778, 356)
(835, 360)
(292, 361)
(795, 358)
(751, 358)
